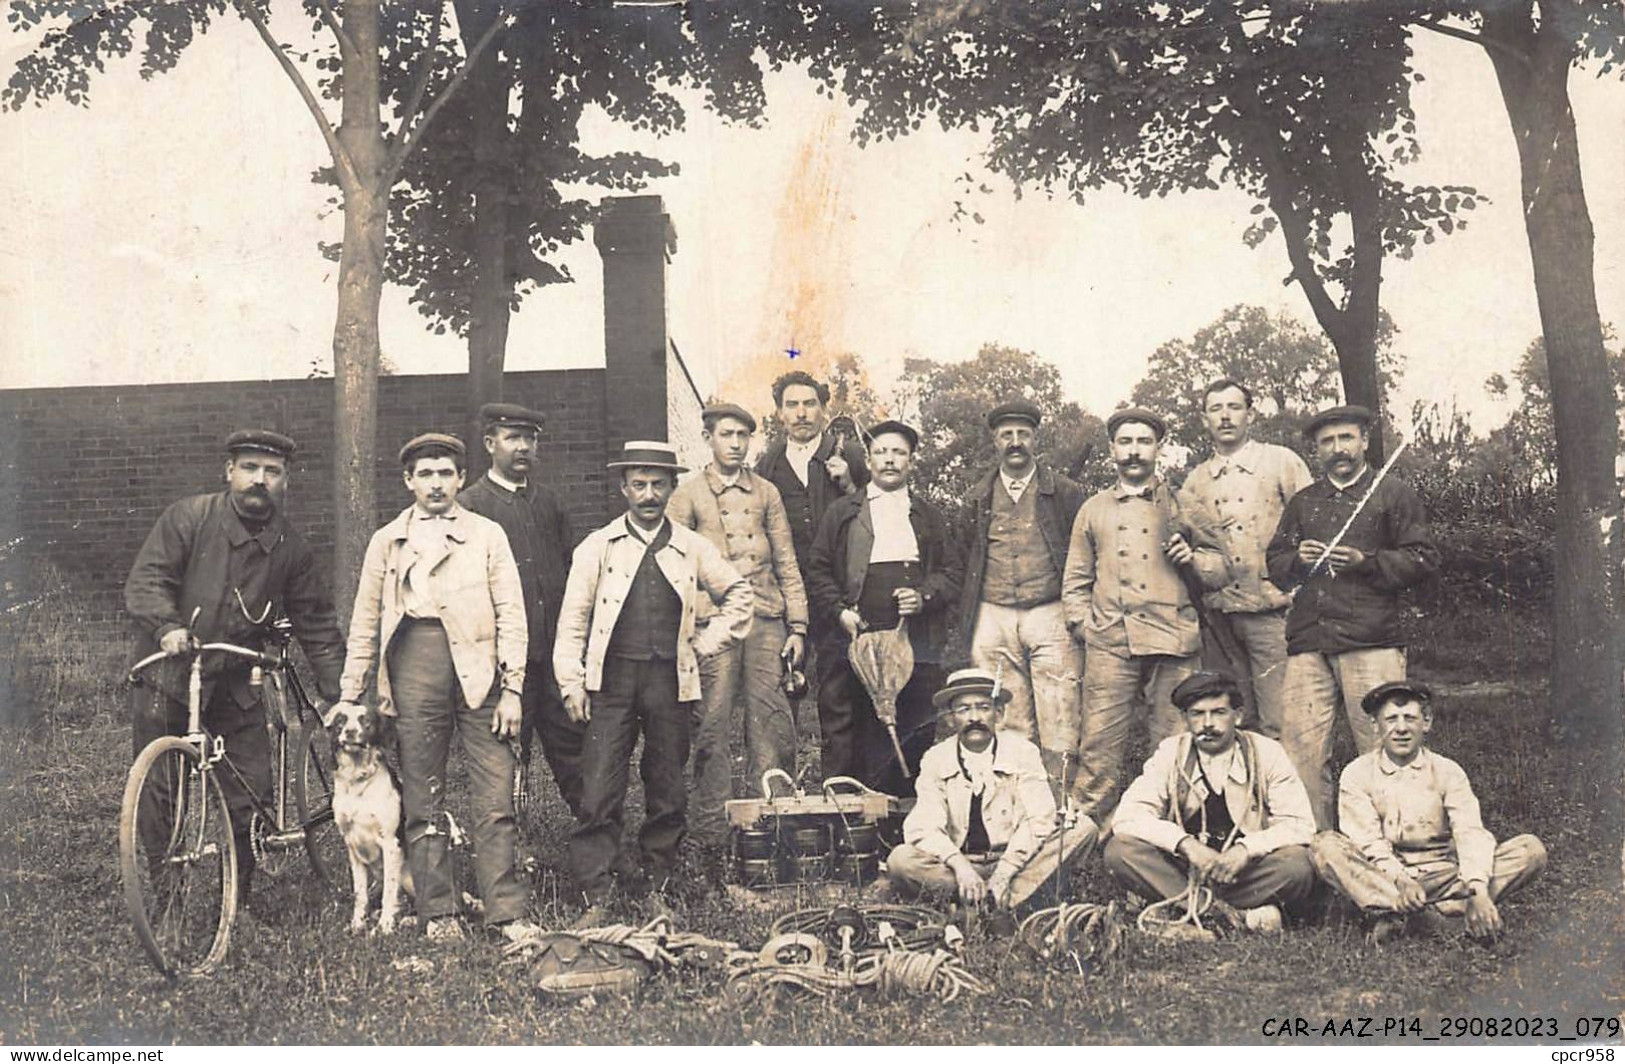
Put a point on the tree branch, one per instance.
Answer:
(420, 79)
(348, 178)
(406, 142)
(346, 45)
(1472, 38)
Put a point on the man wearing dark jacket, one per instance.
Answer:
(1342, 630)
(539, 532)
(1017, 523)
(881, 557)
(232, 559)
(810, 467)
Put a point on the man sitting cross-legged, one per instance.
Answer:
(1413, 852)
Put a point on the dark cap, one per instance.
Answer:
(1136, 413)
(1357, 414)
(495, 414)
(1200, 685)
(650, 454)
(969, 682)
(428, 440)
(261, 440)
(717, 411)
(1392, 691)
(898, 427)
(1014, 410)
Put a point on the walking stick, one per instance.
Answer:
(1337, 540)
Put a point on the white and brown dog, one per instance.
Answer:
(367, 809)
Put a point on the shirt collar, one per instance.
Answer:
(742, 480)
(1230, 763)
(875, 491)
(501, 481)
(809, 448)
(1123, 491)
(1420, 761)
(1359, 481)
(1245, 458)
(639, 534)
(1012, 483)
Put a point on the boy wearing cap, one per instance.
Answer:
(1218, 804)
(539, 533)
(232, 558)
(1017, 523)
(983, 826)
(743, 516)
(1342, 629)
(1413, 851)
(627, 659)
(1127, 600)
(440, 619)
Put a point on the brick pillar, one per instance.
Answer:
(636, 239)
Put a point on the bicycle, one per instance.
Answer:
(177, 852)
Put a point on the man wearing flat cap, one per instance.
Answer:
(627, 658)
(984, 824)
(231, 559)
(1218, 805)
(439, 625)
(743, 516)
(1347, 546)
(1127, 599)
(1016, 524)
(1413, 853)
(883, 557)
(539, 533)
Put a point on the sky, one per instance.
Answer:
(168, 233)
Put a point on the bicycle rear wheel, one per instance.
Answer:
(313, 793)
(178, 858)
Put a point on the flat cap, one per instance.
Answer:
(1016, 410)
(969, 682)
(1140, 414)
(899, 428)
(260, 440)
(494, 414)
(1331, 415)
(1394, 690)
(1205, 684)
(721, 410)
(438, 440)
(651, 454)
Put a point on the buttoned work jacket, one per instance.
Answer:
(747, 523)
(601, 574)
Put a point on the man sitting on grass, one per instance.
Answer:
(1413, 853)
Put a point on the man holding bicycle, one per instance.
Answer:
(220, 567)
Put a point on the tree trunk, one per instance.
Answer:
(1533, 69)
(356, 349)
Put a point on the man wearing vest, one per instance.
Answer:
(627, 660)
(539, 532)
(1220, 805)
(1017, 523)
(743, 517)
(881, 557)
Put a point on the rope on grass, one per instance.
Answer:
(937, 974)
(1083, 930)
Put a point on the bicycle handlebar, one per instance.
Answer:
(257, 657)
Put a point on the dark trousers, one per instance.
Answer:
(561, 737)
(855, 742)
(1281, 877)
(635, 696)
(248, 745)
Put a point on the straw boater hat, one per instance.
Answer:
(969, 682)
(651, 454)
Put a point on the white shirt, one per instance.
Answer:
(799, 454)
(426, 539)
(1216, 767)
(894, 535)
(501, 481)
(1016, 487)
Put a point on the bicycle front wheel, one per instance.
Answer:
(178, 858)
(313, 793)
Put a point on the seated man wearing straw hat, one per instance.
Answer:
(1217, 807)
(984, 825)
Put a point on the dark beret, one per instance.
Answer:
(898, 427)
(733, 410)
(493, 414)
(1015, 409)
(432, 439)
(1393, 690)
(1200, 685)
(1332, 415)
(1136, 413)
(260, 440)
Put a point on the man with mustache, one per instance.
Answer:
(1017, 522)
(439, 625)
(743, 516)
(539, 532)
(232, 558)
(810, 467)
(1220, 805)
(627, 658)
(1241, 490)
(1342, 630)
(983, 827)
(1127, 601)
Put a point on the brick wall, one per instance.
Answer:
(683, 406)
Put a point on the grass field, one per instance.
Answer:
(71, 971)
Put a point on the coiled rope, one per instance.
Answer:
(1081, 931)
